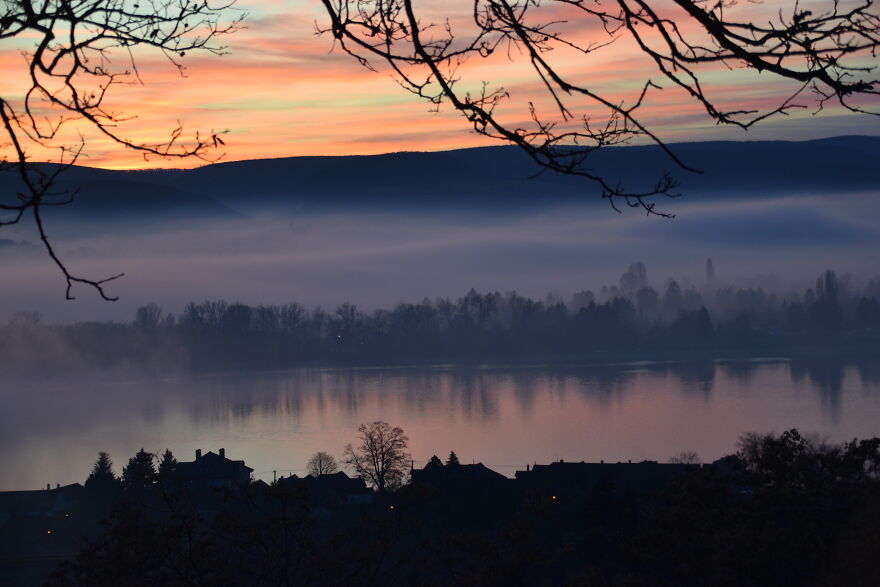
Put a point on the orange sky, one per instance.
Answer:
(281, 91)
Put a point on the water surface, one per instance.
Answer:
(503, 416)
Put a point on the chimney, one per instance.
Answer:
(198, 453)
(58, 486)
(222, 453)
(48, 486)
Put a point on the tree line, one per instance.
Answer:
(783, 509)
(379, 456)
(631, 316)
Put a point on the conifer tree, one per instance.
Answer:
(102, 476)
(140, 471)
(167, 466)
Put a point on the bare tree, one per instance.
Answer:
(80, 50)
(687, 457)
(828, 50)
(322, 463)
(380, 456)
(148, 317)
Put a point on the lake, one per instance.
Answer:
(502, 416)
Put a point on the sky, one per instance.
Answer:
(282, 90)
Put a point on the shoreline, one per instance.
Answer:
(133, 372)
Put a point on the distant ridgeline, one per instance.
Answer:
(469, 178)
(631, 317)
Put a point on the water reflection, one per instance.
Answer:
(51, 432)
(826, 377)
(869, 372)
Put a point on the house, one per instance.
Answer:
(332, 490)
(457, 477)
(40, 502)
(466, 497)
(212, 470)
(572, 482)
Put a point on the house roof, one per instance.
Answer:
(38, 501)
(338, 483)
(439, 474)
(645, 476)
(211, 465)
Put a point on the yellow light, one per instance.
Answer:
(391, 507)
(48, 531)
(554, 497)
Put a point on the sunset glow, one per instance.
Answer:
(282, 90)
(439, 292)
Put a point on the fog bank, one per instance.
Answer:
(375, 259)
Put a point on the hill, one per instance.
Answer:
(494, 179)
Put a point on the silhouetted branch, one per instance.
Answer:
(819, 50)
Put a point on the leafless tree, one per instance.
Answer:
(687, 457)
(322, 463)
(380, 456)
(79, 51)
(828, 49)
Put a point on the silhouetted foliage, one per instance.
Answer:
(167, 467)
(452, 459)
(102, 479)
(476, 326)
(785, 509)
(140, 471)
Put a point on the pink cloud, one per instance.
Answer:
(281, 92)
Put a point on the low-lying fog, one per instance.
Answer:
(377, 259)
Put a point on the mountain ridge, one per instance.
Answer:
(493, 178)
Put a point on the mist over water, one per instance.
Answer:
(52, 429)
(376, 258)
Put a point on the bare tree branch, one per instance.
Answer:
(820, 51)
(70, 72)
